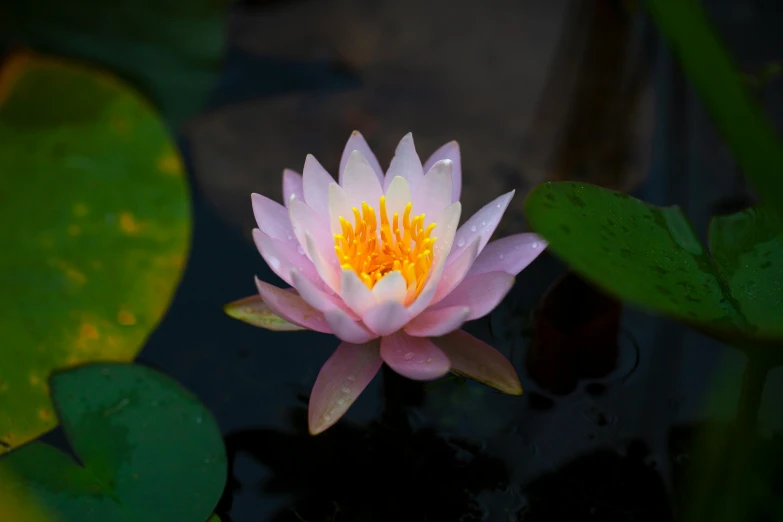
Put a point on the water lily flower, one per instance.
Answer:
(378, 260)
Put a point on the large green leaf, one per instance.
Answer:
(96, 227)
(148, 450)
(171, 49)
(707, 64)
(651, 256)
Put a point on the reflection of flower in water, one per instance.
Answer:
(385, 472)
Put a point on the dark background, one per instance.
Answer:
(533, 90)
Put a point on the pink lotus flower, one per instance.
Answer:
(378, 261)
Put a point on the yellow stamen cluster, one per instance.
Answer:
(404, 246)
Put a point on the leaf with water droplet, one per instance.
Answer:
(253, 310)
(650, 256)
(138, 462)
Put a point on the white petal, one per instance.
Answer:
(339, 206)
(406, 163)
(449, 151)
(315, 184)
(444, 232)
(386, 318)
(398, 195)
(360, 182)
(433, 194)
(355, 293)
(391, 287)
(357, 142)
(347, 329)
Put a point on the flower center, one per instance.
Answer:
(372, 252)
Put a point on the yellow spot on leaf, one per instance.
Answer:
(120, 125)
(34, 379)
(44, 414)
(169, 163)
(126, 318)
(128, 223)
(88, 332)
(74, 230)
(72, 273)
(80, 209)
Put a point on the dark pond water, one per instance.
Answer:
(604, 431)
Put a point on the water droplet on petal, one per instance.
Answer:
(290, 237)
(483, 223)
(346, 390)
(351, 377)
(327, 418)
(473, 228)
(408, 356)
(534, 244)
(461, 242)
(498, 205)
(501, 256)
(341, 401)
(274, 262)
(300, 250)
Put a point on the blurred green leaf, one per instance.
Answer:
(148, 450)
(253, 310)
(170, 49)
(96, 231)
(748, 133)
(650, 256)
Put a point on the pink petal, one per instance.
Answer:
(316, 183)
(509, 254)
(346, 329)
(316, 297)
(357, 142)
(434, 323)
(406, 163)
(444, 232)
(272, 218)
(391, 287)
(282, 257)
(414, 357)
(292, 186)
(355, 293)
(386, 318)
(455, 272)
(329, 272)
(451, 152)
(360, 182)
(292, 308)
(482, 293)
(433, 193)
(479, 361)
(481, 224)
(342, 378)
(305, 220)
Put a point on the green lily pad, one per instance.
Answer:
(253, 310)
(650, 256)
(722, 88)
(147, 449)
(97, 229)
(170, 49)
